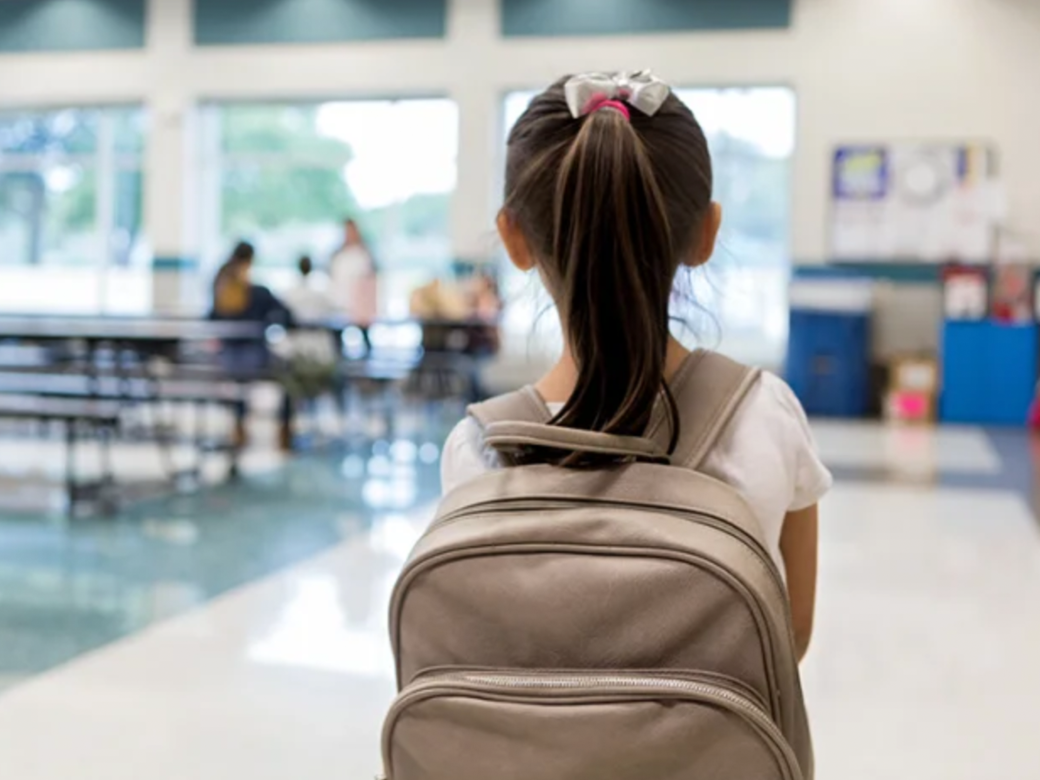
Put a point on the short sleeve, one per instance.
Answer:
(463, 457)
(812, 479)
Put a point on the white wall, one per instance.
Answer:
(862, 69)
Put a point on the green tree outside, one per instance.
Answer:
(281, 172)
(310, 187)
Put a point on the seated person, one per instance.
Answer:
(308, 300)
(237, 299)
(312, 351)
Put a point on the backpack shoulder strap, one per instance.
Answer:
(523, 405)
(708, 390)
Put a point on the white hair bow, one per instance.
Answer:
(639, 89)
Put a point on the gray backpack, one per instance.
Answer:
(624, 623)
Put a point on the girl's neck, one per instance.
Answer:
(558, 385)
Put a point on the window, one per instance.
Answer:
(285, 176)
(70, 212)
(741, 296)
(751, 133)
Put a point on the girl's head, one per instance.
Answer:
(608, 206)
(240, 264)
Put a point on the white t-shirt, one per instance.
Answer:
(309, 301)
(767, 454)
(350, 271)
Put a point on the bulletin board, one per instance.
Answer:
(914, 202)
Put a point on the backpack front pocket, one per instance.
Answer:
(517, 725)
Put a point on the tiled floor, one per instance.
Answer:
(924, 664)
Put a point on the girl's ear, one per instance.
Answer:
(515, 242)
(704, 246)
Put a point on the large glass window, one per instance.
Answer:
(285, 176)
(741, 296)
(70, 212)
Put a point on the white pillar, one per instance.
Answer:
(170, 202)
(473, 31)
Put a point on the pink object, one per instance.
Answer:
(600, 102)
(1034, 415)
(909, 405)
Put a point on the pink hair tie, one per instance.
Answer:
(600, 102)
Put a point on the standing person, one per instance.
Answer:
(354, 277)
(608, 196)
(237, 299)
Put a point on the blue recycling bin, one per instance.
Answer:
(828, 361)
(989, 372)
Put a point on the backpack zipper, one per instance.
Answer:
(521, 505)
(738, 687)
(558, 682)
(616, 684)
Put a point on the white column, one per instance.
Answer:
(473, 31)
(105, 166)
(170, 202)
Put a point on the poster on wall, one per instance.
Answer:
(913, 203)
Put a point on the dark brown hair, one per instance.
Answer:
(611, 208)
(231, 295)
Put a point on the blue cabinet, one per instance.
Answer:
(989, 372)
(828, 360)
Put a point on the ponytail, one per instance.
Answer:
(610, 201)
(612, 241)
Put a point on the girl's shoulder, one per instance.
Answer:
(769, 447)
(772, 399)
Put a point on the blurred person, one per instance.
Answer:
(311, 352)
(354, 277)
(309, 301)
(237, 299)
(486, 338)
(487, 302)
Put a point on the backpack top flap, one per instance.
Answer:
(708, 389)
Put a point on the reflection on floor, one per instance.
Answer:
(69, 587)
(924, 661)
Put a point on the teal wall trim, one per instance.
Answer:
(219, 22)
(907, 273)
(71, 25)
(626, 17)
(181, 264)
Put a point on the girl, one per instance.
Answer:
(608, 195)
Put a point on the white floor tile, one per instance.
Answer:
(913, 449)
(924, 663)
